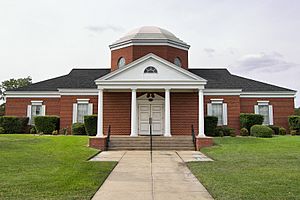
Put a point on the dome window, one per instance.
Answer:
(177, 62)
(121, 62)
(150, 70)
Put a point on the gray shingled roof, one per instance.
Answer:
(216, 79)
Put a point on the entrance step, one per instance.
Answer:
(158, 143)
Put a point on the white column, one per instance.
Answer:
(167, 113)
(133, 113)
(201, 114)
(100, 114)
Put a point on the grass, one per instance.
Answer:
(251, 168)
(49, 167)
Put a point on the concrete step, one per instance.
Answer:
(154, 148)
(158, 143)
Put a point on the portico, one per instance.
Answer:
(151, 103)
(151, 90)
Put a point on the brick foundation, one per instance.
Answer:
(98, 143)
(203, 142)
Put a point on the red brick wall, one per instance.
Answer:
(282, 108)
(117, 112)
(66, 109)
(184, 113)
(233, 109)
(18, 106)
(126, 52)
(132, 53)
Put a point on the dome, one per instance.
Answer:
(149, 34)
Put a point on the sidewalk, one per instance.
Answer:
(134, 178)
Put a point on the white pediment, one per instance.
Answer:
(166, 71)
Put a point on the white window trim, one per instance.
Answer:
(75, 107)
(218, 101)
(29, 110)
(265, 103)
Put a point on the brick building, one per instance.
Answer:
(150, 77)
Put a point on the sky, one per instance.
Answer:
(256, 39)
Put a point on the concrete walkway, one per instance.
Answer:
(135, 178)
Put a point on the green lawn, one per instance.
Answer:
(49, 167)
(252, 168)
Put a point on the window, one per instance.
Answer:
(36, 108)
(263, 108)
(177, 62)
(218, 109)
(150, 70)
(81, 109)
(121, 62)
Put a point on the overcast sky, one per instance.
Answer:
(47, 38)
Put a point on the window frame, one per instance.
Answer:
(150, 70)
(119, 62)
(30, 110)
(76, 111)
(270, 120)
(224, 120)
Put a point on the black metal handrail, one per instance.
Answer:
(194, 137)
(108, 137)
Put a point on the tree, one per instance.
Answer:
(10, 85)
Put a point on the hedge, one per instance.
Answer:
(12, 124)
(78, 129)
(275, 129)
(90, 123)
(244, 132)
(294, 122)
(261, 131)
(46, 124)
(210, 125)
(247, 120)
(225, 131)
(282, 131)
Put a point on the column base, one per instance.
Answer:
(203, 142)
(98, 143)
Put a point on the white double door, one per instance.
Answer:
(156, 112)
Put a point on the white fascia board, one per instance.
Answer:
(222, 92)
(268, 94)
(78, 92)
(144, 58)
(32, 94)
(147, 86)
(149, 42)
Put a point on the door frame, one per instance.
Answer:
(157, 100)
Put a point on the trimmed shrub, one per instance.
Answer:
(247, 120)
(78, 129)
(55, 132)
(33, 130)
(294, 122)
(224, 131)
(293, 132)
(261, 131)
(275, 129)
(12, 124)
(210, 125)
(244, 132)
(46, 124)
(282, 131)
(90, 123)
(2, 131)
